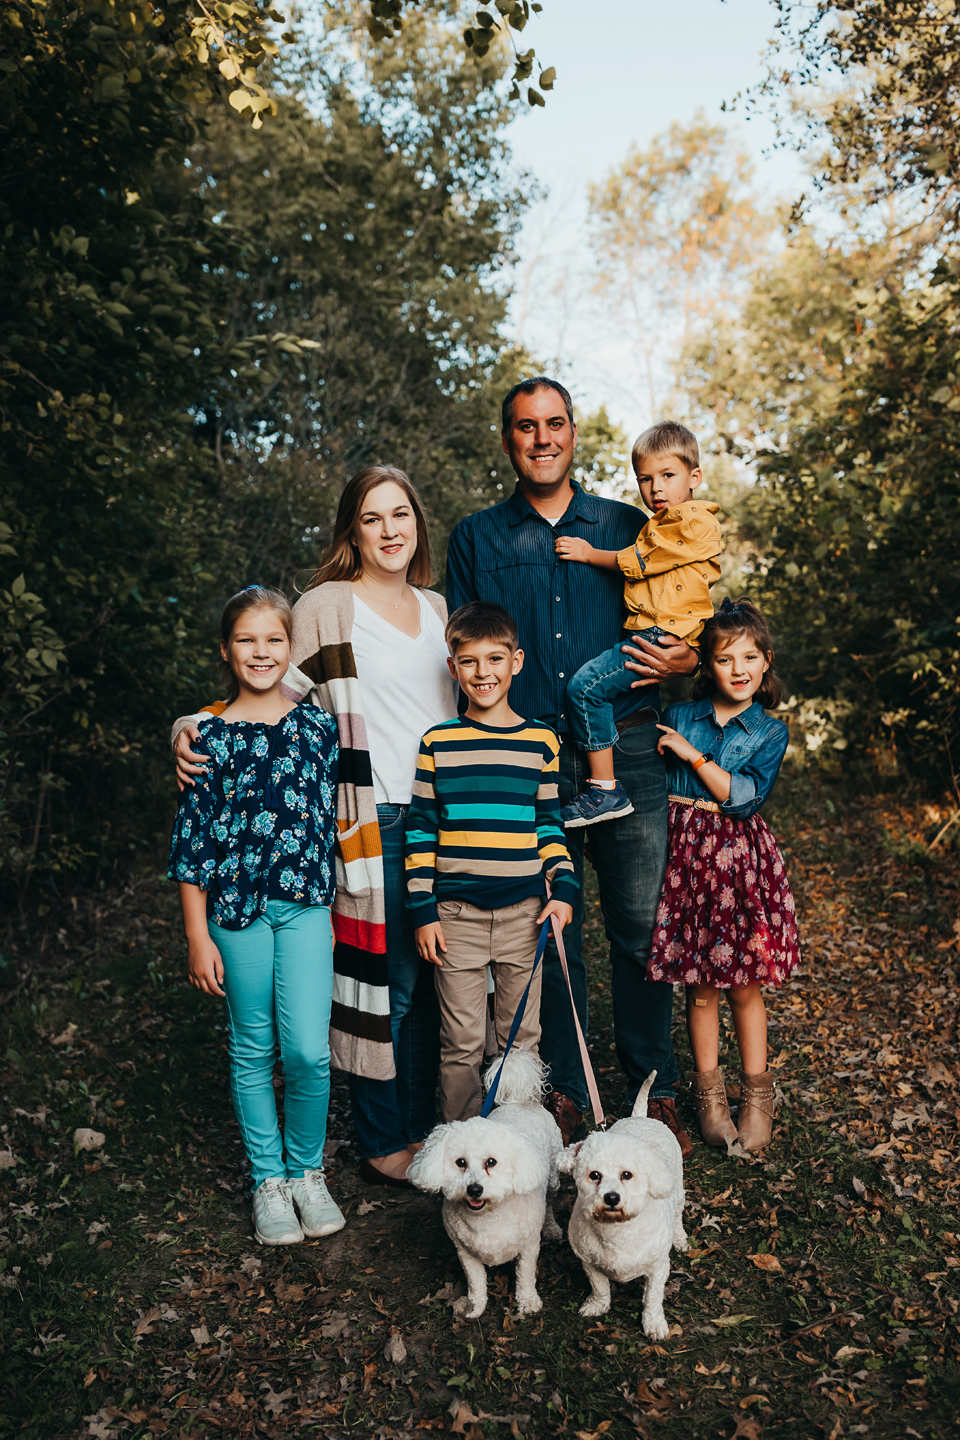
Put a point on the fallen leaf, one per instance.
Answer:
(846, 1351)
(201, 1335)
(89, 1378)
(7, 1159)
(728, 1320)
(66, 1038)
(88, 1140)
(144, 1325)
(395, 1350)
(336, 1326)
(365, 1206)
(447, 1295)
(462, 1415)
(770, 1263)
(747, 1428)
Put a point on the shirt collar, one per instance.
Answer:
(582, 507)
(749, 719)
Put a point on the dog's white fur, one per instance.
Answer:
(636, 1164)
(508, 1163)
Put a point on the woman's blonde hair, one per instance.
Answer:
(342, 558)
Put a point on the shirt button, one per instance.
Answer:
(562, 675)
(679, 587)
(559, 636)
(558, 599)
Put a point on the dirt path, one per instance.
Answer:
(819, 1299)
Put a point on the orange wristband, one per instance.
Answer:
(697, 763)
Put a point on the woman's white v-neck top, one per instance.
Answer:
(405, 688)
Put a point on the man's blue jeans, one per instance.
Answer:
(389, 1114)
(630, 857)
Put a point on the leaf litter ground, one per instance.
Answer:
(819, 1299)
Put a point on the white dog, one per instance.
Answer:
(629, 1210)
(498, 1178)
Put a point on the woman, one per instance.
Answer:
(368, 641)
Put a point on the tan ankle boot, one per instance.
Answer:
(713, 1111)
(757, 1109)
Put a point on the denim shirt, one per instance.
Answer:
(567, 612)
(751, 747)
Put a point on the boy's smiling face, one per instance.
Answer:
(666, 480)
(484, 670)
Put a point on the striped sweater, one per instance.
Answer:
(484, 823)
(324, 669)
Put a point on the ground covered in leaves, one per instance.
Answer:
(819, 1298)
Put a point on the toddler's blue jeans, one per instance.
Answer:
(278, 977)
(596, 685)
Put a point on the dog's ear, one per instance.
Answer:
(528, 1169)
(661, 1179)
(567, 1159)
(427, 1167)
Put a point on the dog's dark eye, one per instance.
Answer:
(627, 1175)
(489, 1164)
(461, 1164)
(595, 1175)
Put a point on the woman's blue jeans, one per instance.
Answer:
(278, 977)
(390, 1114)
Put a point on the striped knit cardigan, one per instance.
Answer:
(325, 671)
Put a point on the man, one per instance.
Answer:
(568, 613)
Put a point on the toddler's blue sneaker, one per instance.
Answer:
(594, 804)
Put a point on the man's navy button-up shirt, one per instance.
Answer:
(567, 612)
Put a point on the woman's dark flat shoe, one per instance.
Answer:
(373, 1176)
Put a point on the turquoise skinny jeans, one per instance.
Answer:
(278, 978)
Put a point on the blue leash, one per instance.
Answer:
(517, 1019)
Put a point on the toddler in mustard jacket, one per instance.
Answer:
(668, 570)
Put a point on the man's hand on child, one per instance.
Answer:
(429, 941)
(568, 547)
(672, 740)
(654, 663)
(561, 909)
(188, 763)
(205, 966)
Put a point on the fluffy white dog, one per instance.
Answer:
(628, 1211)
(498, 1178)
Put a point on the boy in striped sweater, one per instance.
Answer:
(484, 837)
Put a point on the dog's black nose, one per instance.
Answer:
(612, 1199)
(474, 1190)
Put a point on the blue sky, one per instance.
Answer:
(626, 70)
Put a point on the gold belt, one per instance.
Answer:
(697, 804)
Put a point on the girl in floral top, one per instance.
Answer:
(726, 919)
(252, 849)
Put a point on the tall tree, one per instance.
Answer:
(674, 230)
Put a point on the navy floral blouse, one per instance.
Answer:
(260, 826)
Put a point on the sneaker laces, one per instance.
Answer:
(315, 1182)
(274, 1197)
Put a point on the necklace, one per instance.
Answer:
(402, 601)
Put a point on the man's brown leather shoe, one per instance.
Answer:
(565, 1113)
(664, 1109)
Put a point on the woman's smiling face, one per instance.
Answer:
(386, 531)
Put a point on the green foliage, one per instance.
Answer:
(204, 335)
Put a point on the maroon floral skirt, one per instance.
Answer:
(726, 915)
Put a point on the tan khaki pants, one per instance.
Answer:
(507, 941)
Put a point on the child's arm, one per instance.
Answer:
(741, 793)
(423, 837)
(557, 865)
(568, 547)
(203, 958)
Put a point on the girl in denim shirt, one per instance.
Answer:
(726, 919)
(252, 849)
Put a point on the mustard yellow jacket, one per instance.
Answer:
(670, 567)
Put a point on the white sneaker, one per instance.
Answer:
(274, 1218)
(319, 1212)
